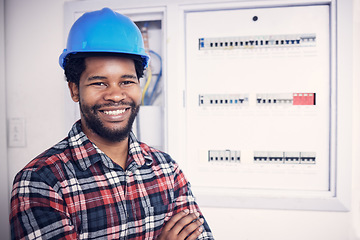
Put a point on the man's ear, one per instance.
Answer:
(74, 91)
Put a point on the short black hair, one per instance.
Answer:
(75, 65)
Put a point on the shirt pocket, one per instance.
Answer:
(159, 213)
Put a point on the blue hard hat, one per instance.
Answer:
(104, 31)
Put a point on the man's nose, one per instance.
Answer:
(115, 94)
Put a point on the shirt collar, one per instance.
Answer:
(139, 152)
(86, 153)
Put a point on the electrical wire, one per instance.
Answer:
(146, 99)
(149, 77)
(144, 32)
(158, 77)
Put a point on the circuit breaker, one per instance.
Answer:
(258, 98)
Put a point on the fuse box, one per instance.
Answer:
(258, 98)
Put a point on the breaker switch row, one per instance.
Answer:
(224, 156)
(223, 100)
(217, 100)
(263, 41)
(281, 98)
(286, 98)
(285, 157)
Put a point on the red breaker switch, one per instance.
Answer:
(304, 99)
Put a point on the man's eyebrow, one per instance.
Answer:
(125, 76)
(96, 78)
(129, 76)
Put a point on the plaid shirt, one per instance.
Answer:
(75, 191)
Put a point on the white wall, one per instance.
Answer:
(356, 120)
(35, 83)
(35, 91)
(4, 185)
(34, 80)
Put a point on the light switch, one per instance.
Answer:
(16, 131)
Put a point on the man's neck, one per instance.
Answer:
(117, 151)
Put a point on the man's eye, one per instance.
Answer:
(98, 84)
(127, 82)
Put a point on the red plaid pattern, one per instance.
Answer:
(74, 191)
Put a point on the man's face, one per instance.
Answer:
(109, 95)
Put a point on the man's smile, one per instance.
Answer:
(115, 112)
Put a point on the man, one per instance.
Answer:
(100, 182)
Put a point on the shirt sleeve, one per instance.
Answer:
(184, 199)
(37, 211)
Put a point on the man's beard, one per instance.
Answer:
(94, 123)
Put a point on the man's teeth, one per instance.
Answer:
(116, 112)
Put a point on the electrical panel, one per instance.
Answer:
(257, 98)
(149, 124)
